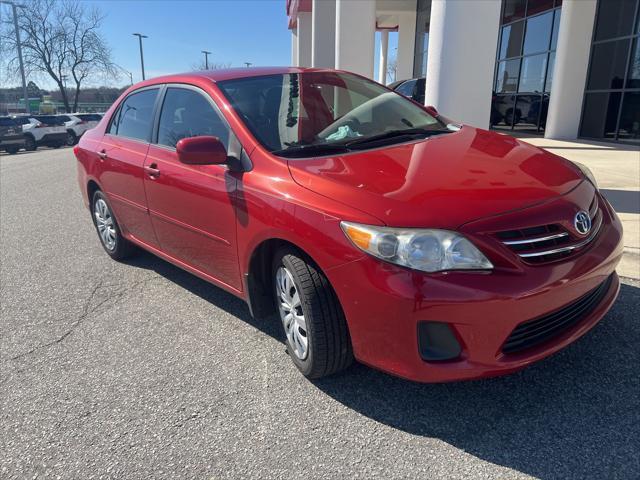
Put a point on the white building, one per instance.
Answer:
(562, 68)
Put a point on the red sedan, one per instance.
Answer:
(373, 227)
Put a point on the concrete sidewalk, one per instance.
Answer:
(617, 170)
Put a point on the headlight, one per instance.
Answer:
(419, 249)
(587, 173)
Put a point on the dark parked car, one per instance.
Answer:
(413, 88)
(11, 137)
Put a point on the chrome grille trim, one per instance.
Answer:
(536, 239)
(568, 248)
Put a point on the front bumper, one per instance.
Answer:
(384, 304)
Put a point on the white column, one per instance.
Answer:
(384, 51)
(406, 44)
(462, 55)
(304, 39)
(323, 19)
(294, 47)
(570, 70)
(355, 35)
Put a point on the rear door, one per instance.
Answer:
(192, 206)
(121, 160)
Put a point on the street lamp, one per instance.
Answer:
(14, 7)
(140, 37)
(206, 59)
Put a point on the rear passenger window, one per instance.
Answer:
(135, 116)
(187, 113)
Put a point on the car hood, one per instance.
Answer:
(440, 182)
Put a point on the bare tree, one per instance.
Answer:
(392, 69)
(62, 39)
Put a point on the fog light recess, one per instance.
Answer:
(437, 342)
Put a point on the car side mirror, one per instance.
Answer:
(204, 150)
(431, 110)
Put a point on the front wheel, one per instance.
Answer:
(315, 328)
(71, 138)
(30, 143)
(12, 150)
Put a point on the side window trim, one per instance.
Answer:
(186, 86)
(160, 87)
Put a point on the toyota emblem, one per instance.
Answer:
(582, 222)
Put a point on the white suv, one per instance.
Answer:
(41, 130)
(78, 123)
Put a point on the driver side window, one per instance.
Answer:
(187, 113)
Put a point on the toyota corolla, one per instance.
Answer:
(374, 228)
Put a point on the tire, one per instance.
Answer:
(117, 247)
(72, 139)
(30, 144)
(12, 150)
(323, 325)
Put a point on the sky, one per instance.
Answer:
(235, 31)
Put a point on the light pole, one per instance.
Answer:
(206, 59)
(27, 107)
(140, 37)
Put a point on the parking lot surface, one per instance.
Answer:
(140, 370)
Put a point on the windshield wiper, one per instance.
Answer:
(394, 134)
(311, 149)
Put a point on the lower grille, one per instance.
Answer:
(534, 332)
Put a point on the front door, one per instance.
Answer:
(192, 206)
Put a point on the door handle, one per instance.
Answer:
(102, 154)
(152, 170)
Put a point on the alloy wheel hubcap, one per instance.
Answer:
(104, 222)
(290, 307)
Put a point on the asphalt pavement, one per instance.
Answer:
(140, 370)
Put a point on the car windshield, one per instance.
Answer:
(302, 114)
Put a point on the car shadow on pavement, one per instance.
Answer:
(573, 415)
(212, 294)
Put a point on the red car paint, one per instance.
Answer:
(211, 221)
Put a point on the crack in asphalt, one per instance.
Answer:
(88, 310)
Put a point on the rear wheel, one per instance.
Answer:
(108, 230)
(30, 143)
(315, 328)
(12, 150)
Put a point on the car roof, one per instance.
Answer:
(230, 74)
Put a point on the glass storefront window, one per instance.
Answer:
(614, 18)
(538, 33)
(629, 129)
(511, 41)
(513, 10)
(552, 63)
(423, 17)
(633, 76)
(556, 29)
(507, 76)
(608, 63)
(600, 114)
(532, 73)
(611, 107)
(524, 64)
(537, 6)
